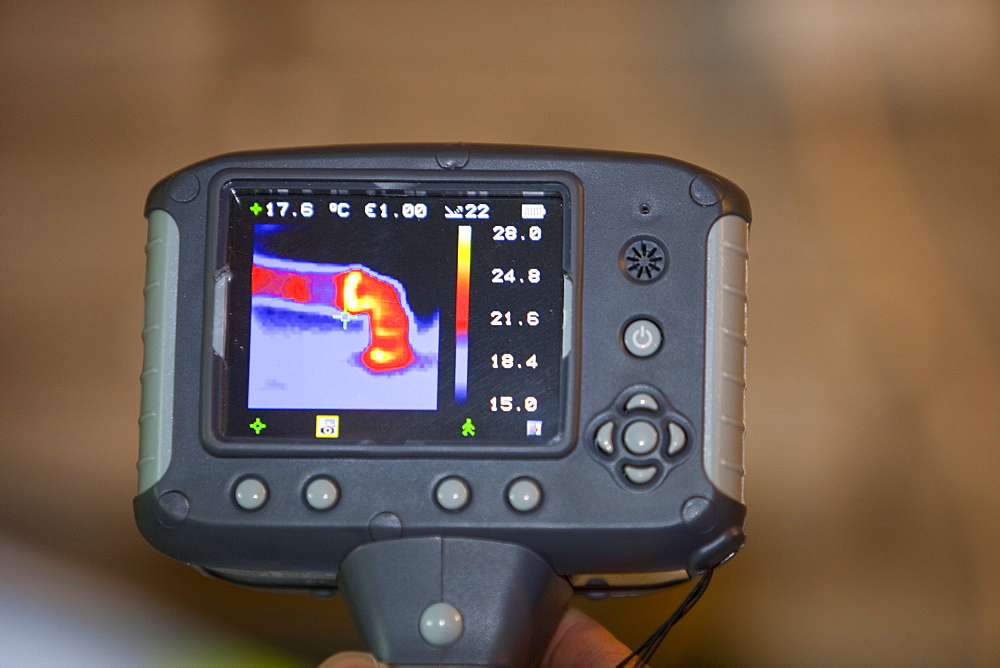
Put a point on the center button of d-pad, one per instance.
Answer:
(640, 437)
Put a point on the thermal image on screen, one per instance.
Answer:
(337, 336)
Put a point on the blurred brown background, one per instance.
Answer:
(866, 134)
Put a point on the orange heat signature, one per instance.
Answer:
(281, 284)
(389, 348)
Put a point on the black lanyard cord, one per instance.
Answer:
(644, 652)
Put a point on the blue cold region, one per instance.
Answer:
(307, 354)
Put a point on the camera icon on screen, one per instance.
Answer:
(327, 426)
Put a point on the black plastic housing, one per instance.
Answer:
(594, 523)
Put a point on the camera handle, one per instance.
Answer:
(444, 601)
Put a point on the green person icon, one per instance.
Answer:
(468, 429)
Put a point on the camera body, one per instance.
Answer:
(532, 346)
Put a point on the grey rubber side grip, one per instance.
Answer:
(158, 337)
(725, 354)
(506, 601)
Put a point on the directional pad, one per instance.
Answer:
(640, 437)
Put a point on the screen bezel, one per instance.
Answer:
(216, 274)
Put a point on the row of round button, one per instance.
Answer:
(452, 493)
(320, 494)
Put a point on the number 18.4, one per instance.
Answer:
(506, 361)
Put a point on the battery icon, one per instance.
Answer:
(532, 211)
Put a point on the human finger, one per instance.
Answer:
(352, 660)
(581, 642)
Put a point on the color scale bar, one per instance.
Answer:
(462, 313)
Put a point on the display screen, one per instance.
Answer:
(392, 313)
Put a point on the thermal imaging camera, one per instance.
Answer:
(453, 383)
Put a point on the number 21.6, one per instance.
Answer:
(498, 318)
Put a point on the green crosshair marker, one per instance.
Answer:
(256, 208)
(257, 426)
(346, 317)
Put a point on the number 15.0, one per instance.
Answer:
(506, 404)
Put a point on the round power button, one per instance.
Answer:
(642, 337)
